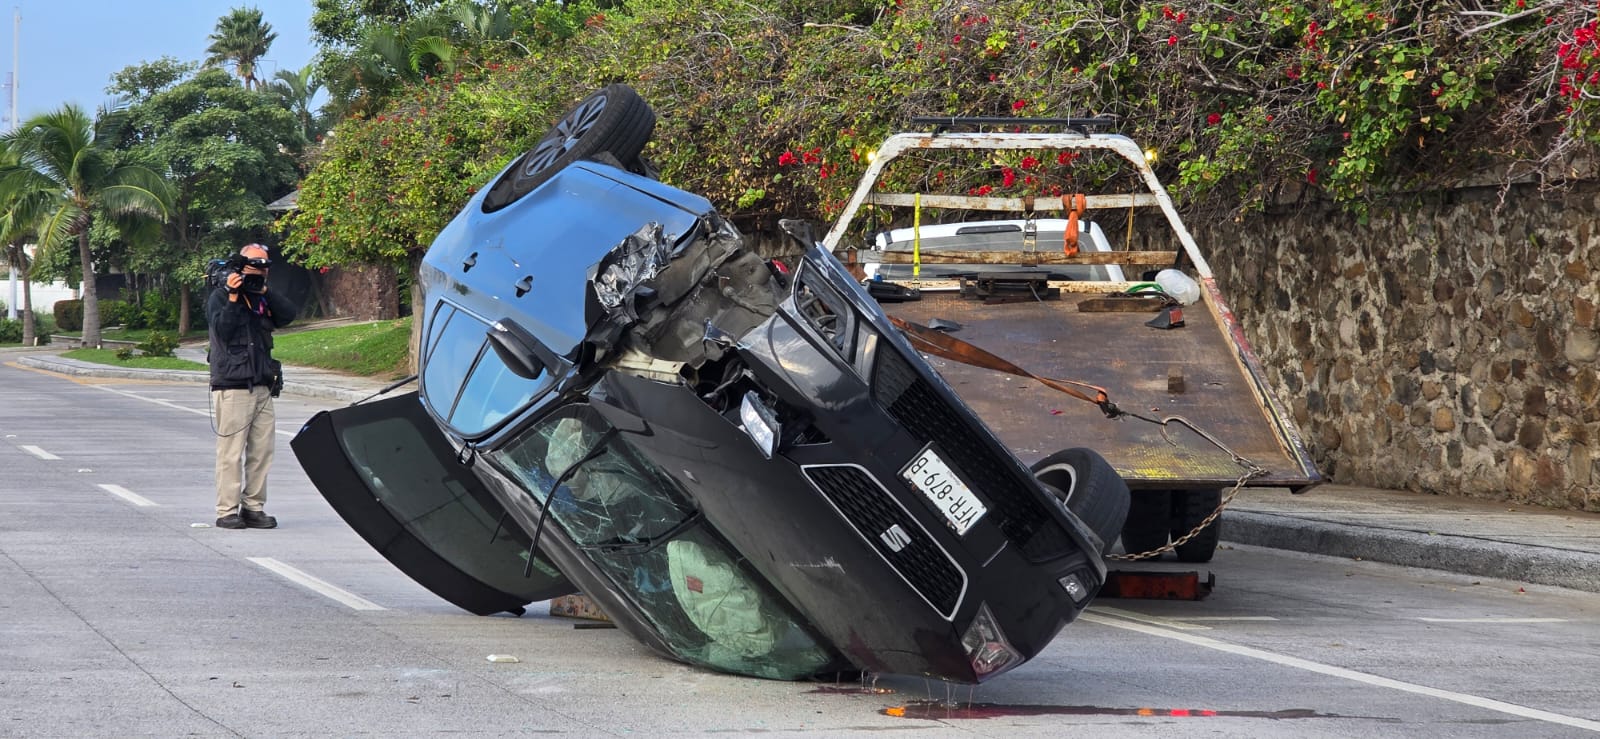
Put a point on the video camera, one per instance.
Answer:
(218, 270)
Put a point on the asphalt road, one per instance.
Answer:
(118, 616)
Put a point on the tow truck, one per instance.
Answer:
(1180, 404)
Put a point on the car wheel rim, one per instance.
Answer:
(1055, 471)
(564, 135)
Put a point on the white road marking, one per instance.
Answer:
(1340, 672)
(37, 452)
(128, 495)
(172, 405)
(317, 585)
(1493, 620)
(1229, 618)
(1157, 620)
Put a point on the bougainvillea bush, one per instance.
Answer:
(772, 107)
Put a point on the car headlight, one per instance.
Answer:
(760, 423)
(987, 648)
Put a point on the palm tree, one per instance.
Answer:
(296, 90)
(63, 170)
(20, 215)
(241, 39)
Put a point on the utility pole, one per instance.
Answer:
(16, 55)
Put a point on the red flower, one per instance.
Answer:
(1008, 177)
(1311, 175)
(1066, 157)
(956, 39)
(811, 157)
(1322, 85)
(785, 159)
(1019, 105)
(1172, 40)
(1292, 73)
(1213, 119)
(1029, 162)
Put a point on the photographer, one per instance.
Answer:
(244, 380)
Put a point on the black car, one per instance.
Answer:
(742, 462)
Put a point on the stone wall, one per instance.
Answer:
(362, 293)
(1445, 346)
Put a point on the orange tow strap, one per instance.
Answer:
(1073, 204)
(944, 345)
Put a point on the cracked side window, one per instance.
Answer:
(634, 522)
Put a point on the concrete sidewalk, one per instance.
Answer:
(1462, 535)
(1473, 537)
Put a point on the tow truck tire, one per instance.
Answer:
(1090, 488)
(613, 120)
(1149, 519)
(1189, 508)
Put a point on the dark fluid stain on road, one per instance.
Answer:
(942, 710)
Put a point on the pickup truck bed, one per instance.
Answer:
(1134, 363)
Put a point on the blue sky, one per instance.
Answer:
(70, 48)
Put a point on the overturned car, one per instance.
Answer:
(742, 462)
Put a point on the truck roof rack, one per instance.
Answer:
(1081, 125)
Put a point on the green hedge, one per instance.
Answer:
(773, 107)
(68, 315)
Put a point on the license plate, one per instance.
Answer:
(948, 494)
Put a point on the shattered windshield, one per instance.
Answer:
(637, 525)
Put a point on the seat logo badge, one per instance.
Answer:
(895, 538)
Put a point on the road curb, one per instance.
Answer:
(1451, 553)
(302, 389)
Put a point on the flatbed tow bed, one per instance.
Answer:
(1202, 377)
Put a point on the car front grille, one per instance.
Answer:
(912, 402)
(884, 524)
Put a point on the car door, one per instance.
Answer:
(393, 476)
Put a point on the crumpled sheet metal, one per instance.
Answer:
(632, 264)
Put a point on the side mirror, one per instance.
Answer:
(520, 350)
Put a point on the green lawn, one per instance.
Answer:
(372, 349)
(109, 356)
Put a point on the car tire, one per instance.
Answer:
(613, 120)
(1089, 488)
(1189, 508)
(1149, 520)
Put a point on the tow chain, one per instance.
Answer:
(949, 347)
(1251, 472)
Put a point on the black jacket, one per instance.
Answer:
(241, 339)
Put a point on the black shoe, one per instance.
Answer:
(257, 519)
(230, 521)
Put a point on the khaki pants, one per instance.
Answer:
(246, 435)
